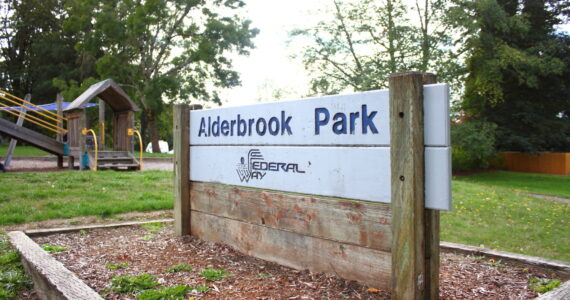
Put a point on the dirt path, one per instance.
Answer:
(555, 198)
(49, 164)
(91, 220)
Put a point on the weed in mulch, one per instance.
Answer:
(493, 263)
(143, 286)
(53, 248)
(177, 292)
(543, 285)
(153, 227)
(130, 284)
(179, 268)
(117, 266)
(214, 274)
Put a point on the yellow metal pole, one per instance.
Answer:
(85, 131)
(130, 132)
(31, 119)
(29, 103)
(38, 112)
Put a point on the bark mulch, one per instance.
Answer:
(140, 250)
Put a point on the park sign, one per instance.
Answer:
(336, 146)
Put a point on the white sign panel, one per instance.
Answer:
(359, 172)
(348, 172)
(333, 146)
(354, 119)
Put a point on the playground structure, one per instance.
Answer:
(77, 141)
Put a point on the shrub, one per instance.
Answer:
(473, 145)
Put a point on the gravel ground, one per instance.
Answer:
(50, 165)
(145, 251)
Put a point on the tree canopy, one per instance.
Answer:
(518, 71)
(162, 49)
(33, 48)
(365, 41)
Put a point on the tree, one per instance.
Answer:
(162, 49)
(518, 71)
(33, 48)
(368, 40)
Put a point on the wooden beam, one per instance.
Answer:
(359, 223)
(407, 177)
(13, 141)
(181, 147)
(368, 266)
(59, 138)
(59, 103)
(101, 124)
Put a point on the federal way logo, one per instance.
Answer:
(256, 167)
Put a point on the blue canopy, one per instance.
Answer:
(49, 106)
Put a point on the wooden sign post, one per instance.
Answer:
(181, 148)
(388, 150)
(415, 230)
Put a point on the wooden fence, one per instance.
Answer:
(546, 163)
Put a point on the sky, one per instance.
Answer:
(269, 66)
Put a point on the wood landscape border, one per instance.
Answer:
(50, 277)
(393, 247)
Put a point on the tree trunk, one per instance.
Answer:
(152, 127)
(392, 65)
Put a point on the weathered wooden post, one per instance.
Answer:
(415, 230)
(19, 123)
(181, 148)
(59, 138)
(102, 124)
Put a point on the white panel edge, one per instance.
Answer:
(438, 178)
(436, 115)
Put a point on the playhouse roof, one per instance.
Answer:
(108, 91)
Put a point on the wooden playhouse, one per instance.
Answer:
(85, 147)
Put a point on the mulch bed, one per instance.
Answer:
(147, 251)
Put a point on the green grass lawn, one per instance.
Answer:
(23, 151)
(500, 219)
(483, 215)
(555, 185)
(26, 197)
(145, 154)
